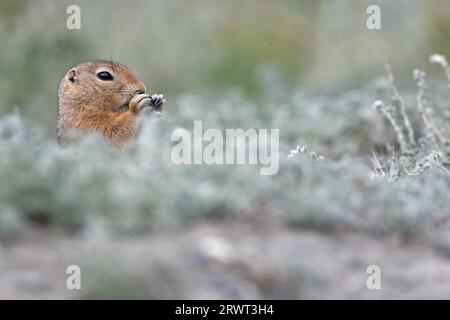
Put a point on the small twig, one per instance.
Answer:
(387, 111)
(425, 108)
(442, 61)
(398, 99)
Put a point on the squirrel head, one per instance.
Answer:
(98, 85)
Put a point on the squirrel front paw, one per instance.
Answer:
(158, 102)
(139, 101)
(143, 100)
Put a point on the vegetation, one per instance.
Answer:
(141, 227)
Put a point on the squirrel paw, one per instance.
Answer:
(139, 101)
(143, 100)
(157, 102)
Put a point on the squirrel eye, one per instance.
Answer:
(105, 76)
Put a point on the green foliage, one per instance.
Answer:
(416, 154)
(232, 69)
(206, 47)
(139, 190)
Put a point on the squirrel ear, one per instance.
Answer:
(72, 75)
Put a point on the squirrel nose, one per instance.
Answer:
(141, 88)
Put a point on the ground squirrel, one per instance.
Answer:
(102, 97)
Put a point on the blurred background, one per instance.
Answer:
(208, 46)
(140, 227)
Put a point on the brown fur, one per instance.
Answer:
(90, 105)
